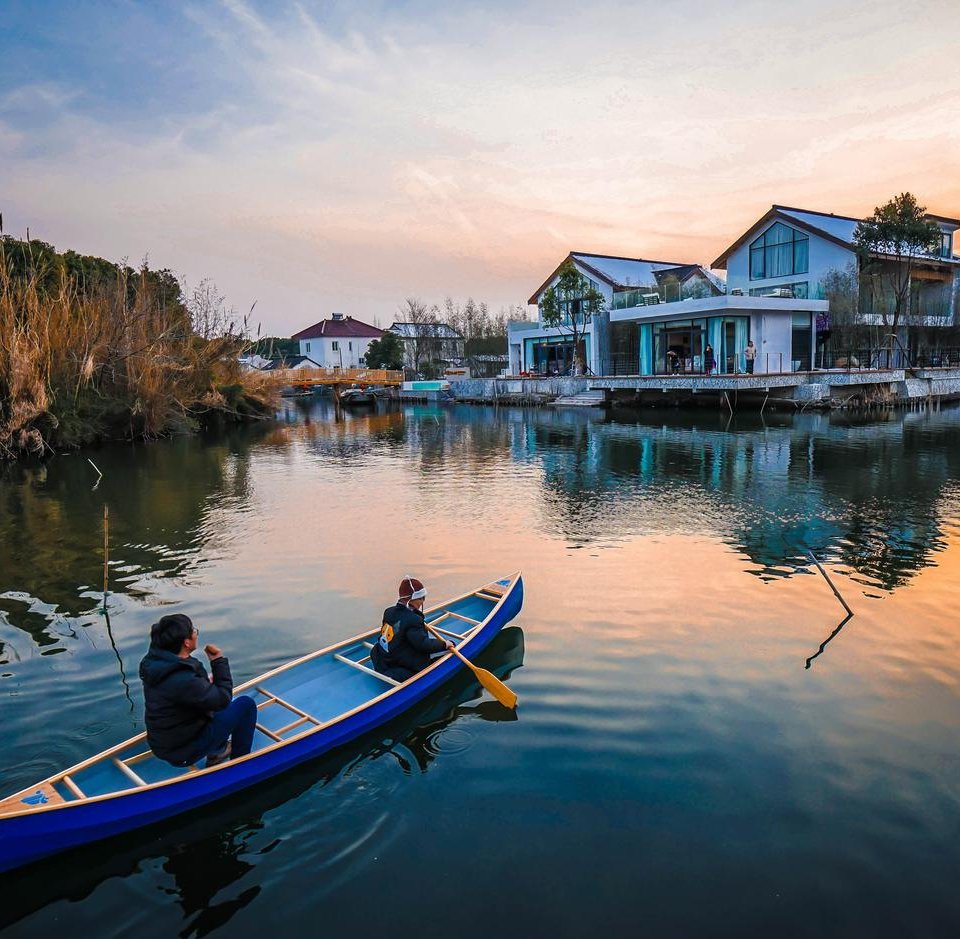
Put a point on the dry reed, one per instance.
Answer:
(118, 360)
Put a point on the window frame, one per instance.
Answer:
(765, 251)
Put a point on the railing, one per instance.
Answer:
(859, 359)
(937, 358)
(333, 376)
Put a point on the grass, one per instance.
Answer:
(111, 357)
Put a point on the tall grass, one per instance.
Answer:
(118, 359)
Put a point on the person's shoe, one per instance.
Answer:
(215, 759)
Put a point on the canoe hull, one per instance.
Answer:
(34, 835)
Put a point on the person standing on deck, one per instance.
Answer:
(709, 360)
(405, 646)
(749, 355)
(190, 715)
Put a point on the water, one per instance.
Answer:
(695, 751)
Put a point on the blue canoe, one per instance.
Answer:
(307, 707)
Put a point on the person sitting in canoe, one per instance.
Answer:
(405, 646)
(190, 715)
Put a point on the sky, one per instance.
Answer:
(312, 158)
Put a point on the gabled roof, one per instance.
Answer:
(344, 328)
(433, 330)
(836, 228)
(616, 271)
(289, 361)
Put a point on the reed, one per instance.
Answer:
(83, 359)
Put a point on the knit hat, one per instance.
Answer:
(411, 589)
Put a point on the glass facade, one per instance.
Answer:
(780, 251)
(554, 355)
(711, 345)
(799, 291)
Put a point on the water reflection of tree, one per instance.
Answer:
(868, 495)
(163, 502)
(209, 851)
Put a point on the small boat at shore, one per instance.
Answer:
(305, 708)
(355, 397)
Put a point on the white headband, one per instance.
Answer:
(417, 594)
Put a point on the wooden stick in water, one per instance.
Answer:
(826, 576)
(106, 552)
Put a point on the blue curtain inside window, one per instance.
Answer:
(741, 335)
(801, 255)
(715, 338)
(646, 348)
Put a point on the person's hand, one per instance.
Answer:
(212, 651)
(449, 645)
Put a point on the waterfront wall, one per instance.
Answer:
(799, 386)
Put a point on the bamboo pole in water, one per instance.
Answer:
(106, 552)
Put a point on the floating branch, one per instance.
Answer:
(826, 576)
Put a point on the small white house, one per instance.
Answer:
(338, 342)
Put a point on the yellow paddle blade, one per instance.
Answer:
(496, 687)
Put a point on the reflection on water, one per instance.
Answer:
(692, 715)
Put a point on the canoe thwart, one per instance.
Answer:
(363, 668)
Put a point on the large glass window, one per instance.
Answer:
(780, 251)
(946, 245)
(799, 291)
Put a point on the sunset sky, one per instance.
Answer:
(322, 157)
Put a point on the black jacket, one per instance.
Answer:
(404, 640)
(179, 698)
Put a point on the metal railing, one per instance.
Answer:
(948, 357)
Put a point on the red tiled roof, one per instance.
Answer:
(336, 329)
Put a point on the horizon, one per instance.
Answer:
(328, 159)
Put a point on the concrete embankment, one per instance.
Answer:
(824, 389)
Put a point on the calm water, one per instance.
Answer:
(688, 756)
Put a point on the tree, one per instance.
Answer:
(570, 303)
(385, 352)
(426, 340)
(889, 243)
(275, 347)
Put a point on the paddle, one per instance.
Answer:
(489, 681)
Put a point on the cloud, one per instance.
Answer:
(343, 157)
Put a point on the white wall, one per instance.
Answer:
(321, 350)
(772, 334)
(824, 255)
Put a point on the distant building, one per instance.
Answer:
(429, 345)
(290, 363)
(338, 342)
(253, 362)
(486, 365)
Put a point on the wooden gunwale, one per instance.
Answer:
(111, 751)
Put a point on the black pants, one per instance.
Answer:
(396, 672)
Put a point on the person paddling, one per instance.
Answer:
(405, 646)
(190, 715)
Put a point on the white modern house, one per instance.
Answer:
(665, 317)
(789, 251)
(338, 342)
(662, 316)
